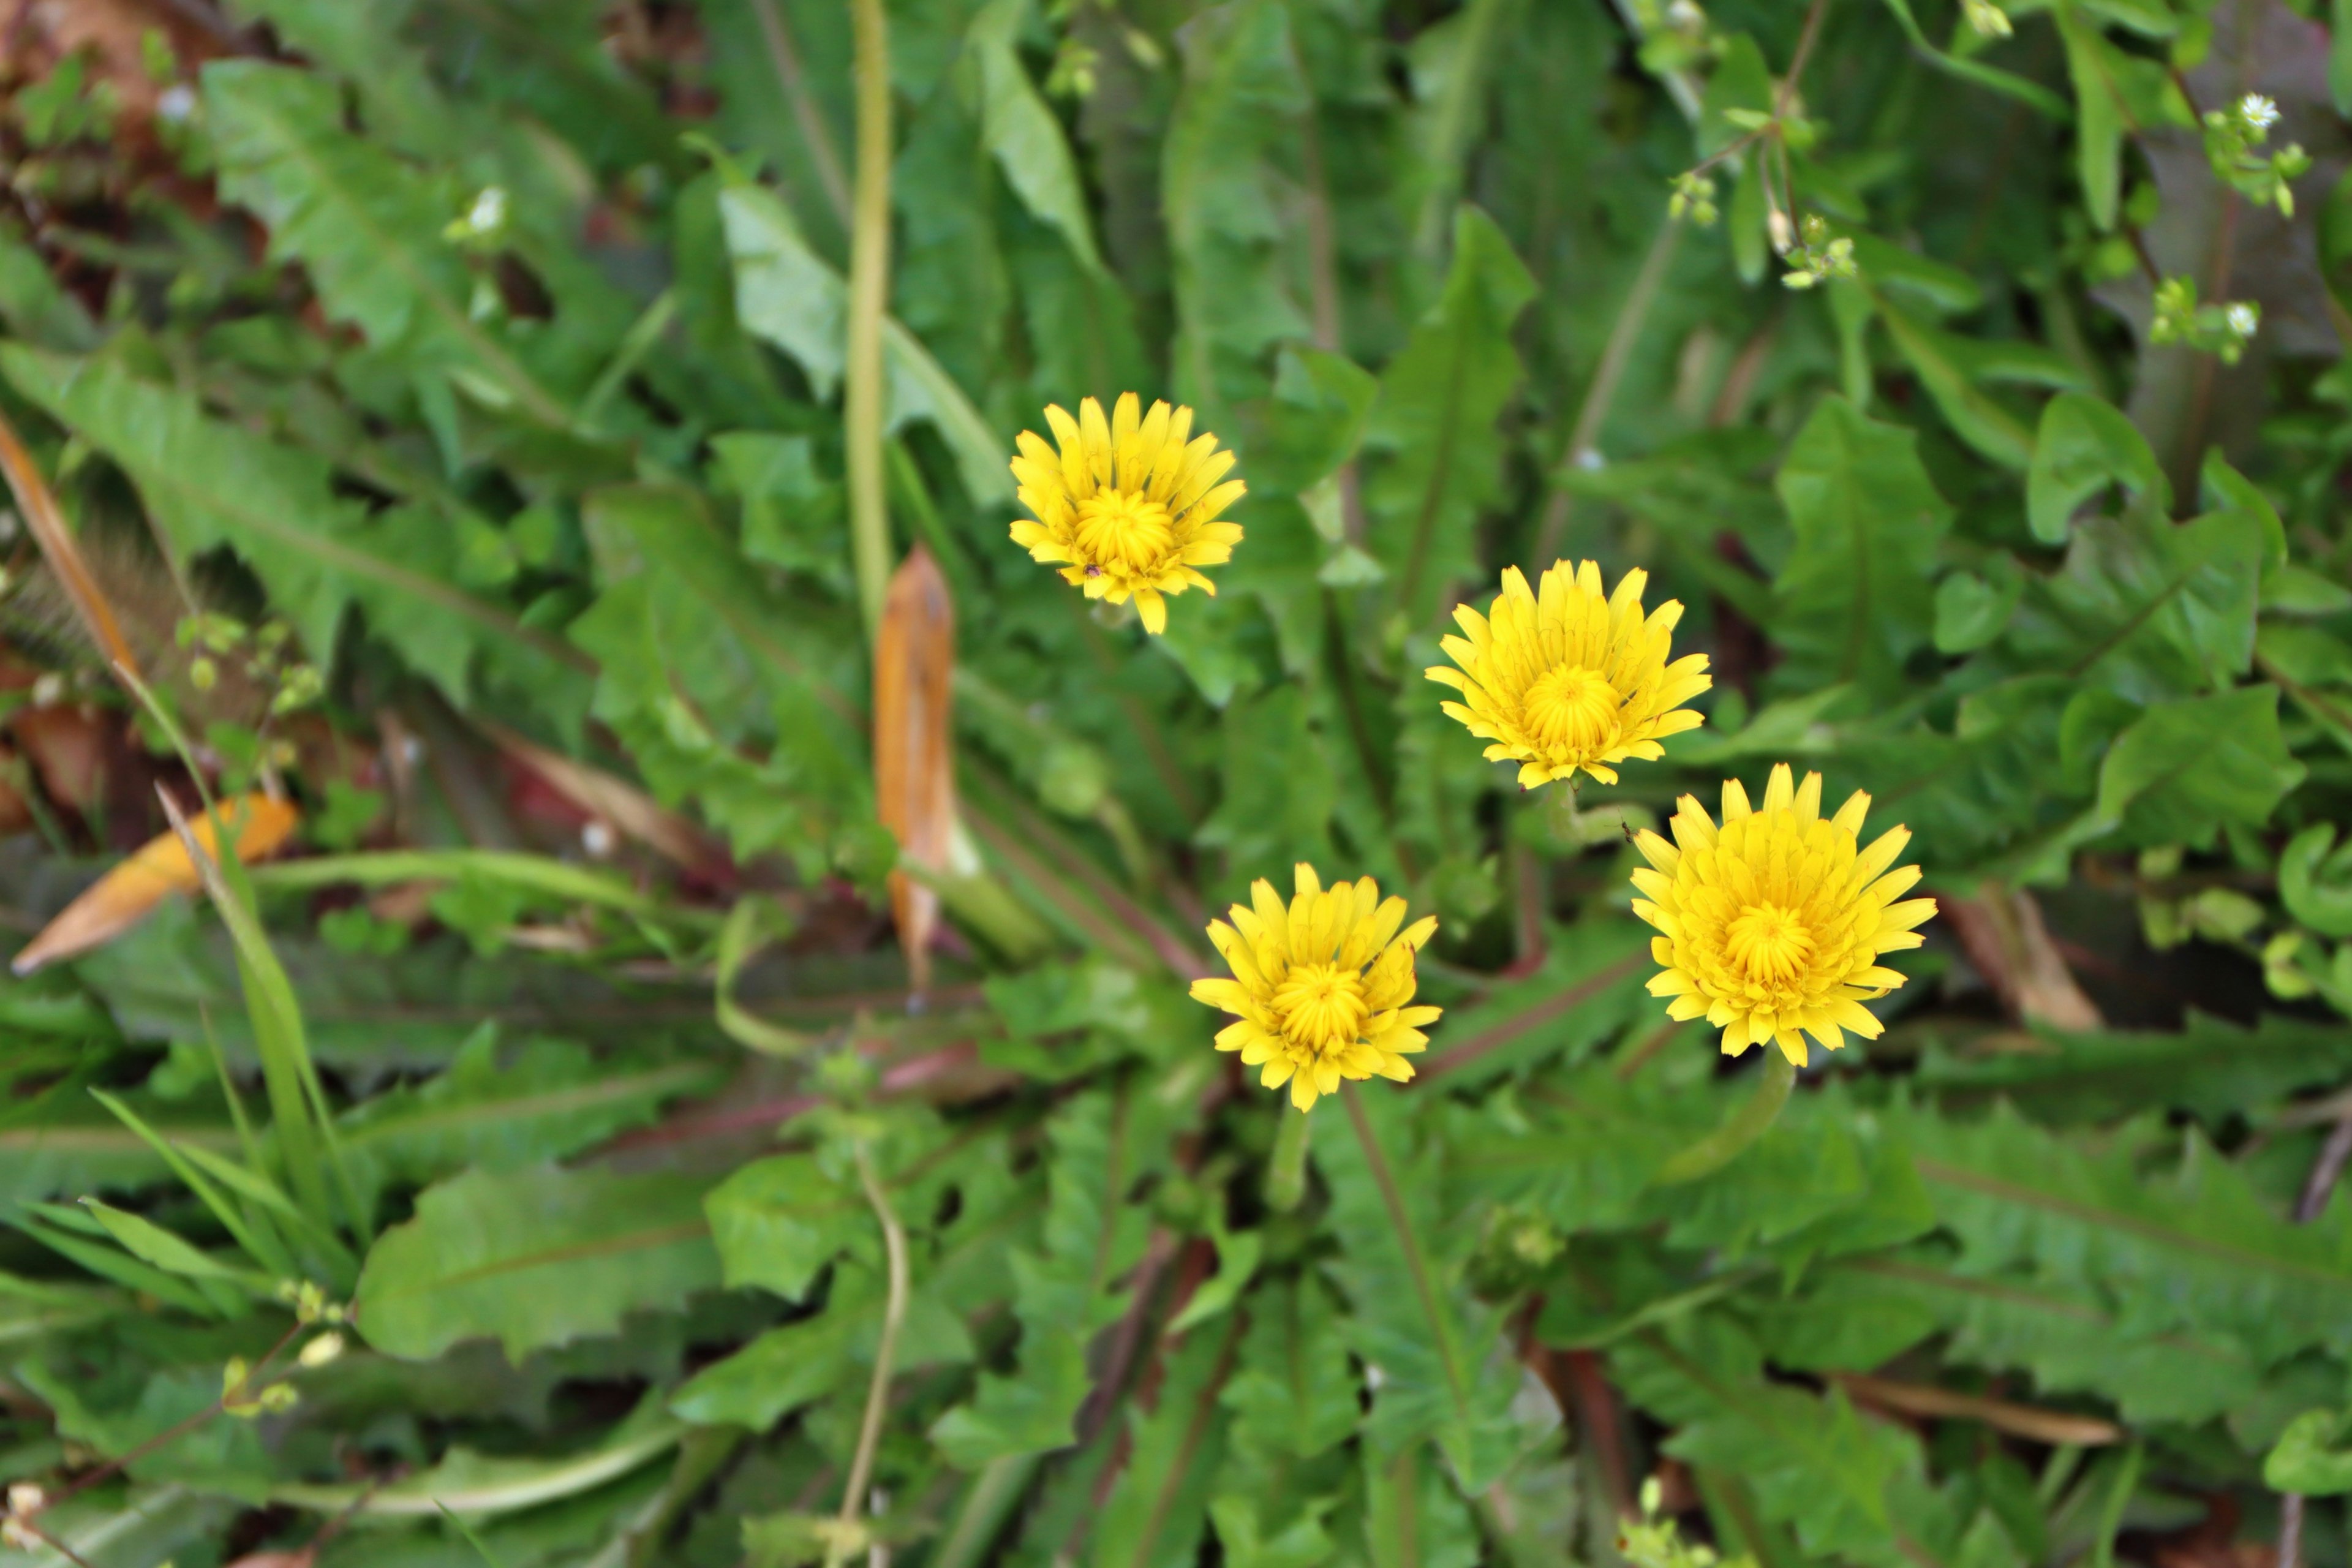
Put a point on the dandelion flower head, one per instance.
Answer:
(1129, 506)
(1321, 986)
(1569, 678)
(1770, 925)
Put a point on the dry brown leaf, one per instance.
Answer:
(2002, 929)
(2028, 1421)
(121, 898)
(46, 520)
(71, 751)
(914, 767)
(616, 803)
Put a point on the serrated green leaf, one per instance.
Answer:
(1443, 1372)
(533, 1258)
(2183, 770)
(777, 1222)
(1853, 601)
(1432, 453)
(792, 297)
(1294, 1394)
(1157, 1510)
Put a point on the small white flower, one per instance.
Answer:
(48, 689)
(596, 838)
(177, 103)
(321, 1350)
(488, 211)
(2243, 319)
(2258, 112)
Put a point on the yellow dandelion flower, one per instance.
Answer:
(1129, 506)
(1771, 925)
(1320, 987)
(1568, 678)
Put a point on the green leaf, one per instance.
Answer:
(2100, 115)
(2208, 1066)
(131, 1273)
(1971, 612)
(366, 227)
(2185, 769)
(1432, 455)
(208, 483)
(700, 665)
(2311, 1456)
(1294, 1395)
(793, 515)
(1237, 1257)
(2031, 93)
(1951, 366)
(2084, 446)
(1279, 792)
(773, 1376)
(1853, 602)
(777, 1222)
(2147, 609)
(1237, 110)
(1158, 1507)
(1302, 1543)
(2197, 1251)
(1443, 1369)
(543, 1099)
(535, 1258)
(144, 1239)
(2316, 886)
(1854, 1490)
(1102, 1144)
(1412, 1518)
(466, 1482)
(2072, 1339)
(1021, 132)
(790, 296)
(1451, 62)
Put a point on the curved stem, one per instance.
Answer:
(1740, 1128)
(878, 1393)
(1286, 1170)
(869, 287)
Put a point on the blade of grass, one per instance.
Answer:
(119, 1267)
(534, 873)
(260, 1241)
(287, 1074)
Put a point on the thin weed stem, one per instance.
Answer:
(878, 1393)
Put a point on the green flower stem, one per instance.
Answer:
(1740, 1128)
(1567, 822)
(886, 1353)
(1286, 1170)
(869, 287)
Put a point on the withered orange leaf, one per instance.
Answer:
(914, 767)
(121, 898)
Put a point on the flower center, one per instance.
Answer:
(1125, 528)
(1768, 943)
(1321, 1006)
(1573, 710)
